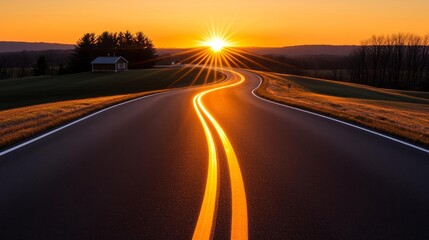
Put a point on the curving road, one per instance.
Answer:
(213, 161)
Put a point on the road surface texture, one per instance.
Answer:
(161, 168)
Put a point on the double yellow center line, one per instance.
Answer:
(239, 226)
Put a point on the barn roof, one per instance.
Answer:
(107, 60)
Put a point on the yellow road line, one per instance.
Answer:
(203, 229)
(239, 223)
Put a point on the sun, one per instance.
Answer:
(217, 39)
(216, 44)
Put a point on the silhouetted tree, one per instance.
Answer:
(138, 49)
(41, 66)
(394, 61)
(127, 40)
(3, 69)
(143, 52)
(84, 53)
(23, 64)
(107, 43)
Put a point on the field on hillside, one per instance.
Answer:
(401, 113)
(30, 106)
(37, 90)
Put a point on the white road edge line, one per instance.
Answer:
(336, 120)
(4, 152)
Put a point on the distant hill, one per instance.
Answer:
(303, 50)
(32, 46)
(292, 51)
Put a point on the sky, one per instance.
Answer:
(182, 23)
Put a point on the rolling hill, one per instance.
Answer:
(292, 51)
(303, 50)
(32, 46)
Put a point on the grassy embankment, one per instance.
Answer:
(401, 113)
(29, 106)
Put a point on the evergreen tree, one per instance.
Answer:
(128, 40)
(41, 66)
(137, 48)
(84, 53)
(144, 52)
(107, 43)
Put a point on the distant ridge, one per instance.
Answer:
(6, 46)
(292, 51)
(303, 50)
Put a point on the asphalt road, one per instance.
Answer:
(139, 171)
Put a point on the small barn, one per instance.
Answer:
(116, 64)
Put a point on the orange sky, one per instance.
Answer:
(180, 23)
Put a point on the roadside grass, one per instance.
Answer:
(400, 113)
(32, 105)
(424, 95)
(20, 123)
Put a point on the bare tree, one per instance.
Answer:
(394, 61)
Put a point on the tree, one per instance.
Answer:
(107, 43)
(41, 66)
(143, 52)
(137, 48)
(127, 40)
(83, 53)
(394, 61)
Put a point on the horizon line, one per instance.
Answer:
(250, 46)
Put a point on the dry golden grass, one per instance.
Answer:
(398, 114)
(20, 123)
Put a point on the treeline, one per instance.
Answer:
(395, 61)
(399, 61)
(29, 63)
(137, 48)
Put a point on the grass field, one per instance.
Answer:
(36, 90)
(32, 105)
(401, 113)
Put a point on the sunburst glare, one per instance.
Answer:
(216, 50)
(217, 44)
